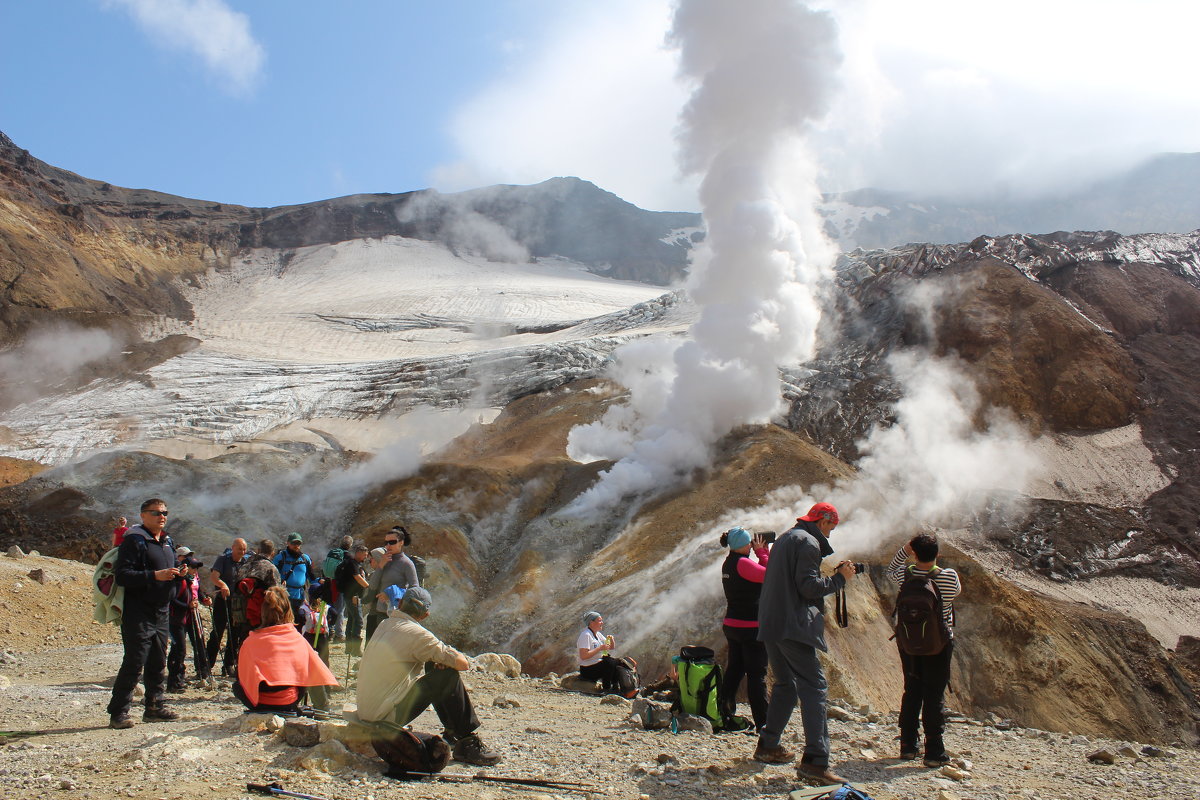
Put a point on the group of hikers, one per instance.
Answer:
(278, 613)
(775, 615)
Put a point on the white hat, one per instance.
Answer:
(180, 552)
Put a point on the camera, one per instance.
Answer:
(768, 537)
(859, 569)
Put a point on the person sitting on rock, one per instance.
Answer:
(406, 668)
(275, 662)
(595, 663)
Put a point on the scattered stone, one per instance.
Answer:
(1152, 751)
(1102, 757)
(502, 701)
(954, 773)
(692, 722)
(840, 714)
(613, 700)
(946, 794)
(1128, 752)
(301, 732)
(15, 552)
(38, 575)
(68, 784)
(665, 758)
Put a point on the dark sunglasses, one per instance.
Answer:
(157, 513)
(391, 541)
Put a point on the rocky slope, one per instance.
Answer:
(1092, 573)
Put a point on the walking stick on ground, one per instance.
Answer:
(276, 790)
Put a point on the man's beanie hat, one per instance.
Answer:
(821, 511)
(737, 538)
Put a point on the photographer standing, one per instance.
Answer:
(926, 590)
(791, 623)
(742, 579)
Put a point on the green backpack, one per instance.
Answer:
(699, 683)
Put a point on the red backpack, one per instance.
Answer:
(921, 629)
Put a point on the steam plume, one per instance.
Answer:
(763, 73)
(49, 357)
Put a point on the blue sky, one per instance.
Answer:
(267, 102)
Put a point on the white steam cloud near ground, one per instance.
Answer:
(48, 357)
(756, 277)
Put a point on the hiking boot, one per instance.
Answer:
(176, 688)
(773, 755)
(933, 762)
(159, 714)
(909, 755)
(818, 775)
(120, 721)
(470, 749)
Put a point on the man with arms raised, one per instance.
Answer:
(791, 623)
(146, 568)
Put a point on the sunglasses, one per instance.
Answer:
(391, 541)
(157, 513)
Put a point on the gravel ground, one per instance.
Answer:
(57, 667)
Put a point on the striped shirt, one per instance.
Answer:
(945, 579)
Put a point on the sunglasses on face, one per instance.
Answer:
(157, 513)
(391, 541)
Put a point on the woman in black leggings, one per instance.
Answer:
(742, 579)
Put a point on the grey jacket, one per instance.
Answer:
(400, 571)
(792, 604)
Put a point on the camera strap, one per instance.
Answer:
(840, 613)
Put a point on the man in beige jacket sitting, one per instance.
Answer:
(406, 668)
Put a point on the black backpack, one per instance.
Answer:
(921, 629)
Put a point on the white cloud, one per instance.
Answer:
(936, 95)
(595, 98)
(209, 29)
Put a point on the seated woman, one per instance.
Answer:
(276, 662)
(595, 664)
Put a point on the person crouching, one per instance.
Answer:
(406, 668)
(275, 662)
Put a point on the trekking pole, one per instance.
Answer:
(278, 791)
(566, 786)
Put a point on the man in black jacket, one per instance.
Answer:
(146, 568)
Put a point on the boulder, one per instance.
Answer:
(15, 552)
(497, 663)
(692, 722)
(572, 682)
(652, 715)
(301, 732)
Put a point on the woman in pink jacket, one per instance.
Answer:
(742, 578)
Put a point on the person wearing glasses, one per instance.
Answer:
(146, 568)
(398, 570)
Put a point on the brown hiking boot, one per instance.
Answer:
(818, 776)
(120, 721)
(159, 714)
(773, 755)
(471, 750)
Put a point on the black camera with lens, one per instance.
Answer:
(859, 569)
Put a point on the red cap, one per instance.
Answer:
(821, 511)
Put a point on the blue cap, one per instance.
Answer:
(737, 538)
(394, 594)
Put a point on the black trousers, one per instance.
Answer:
(605, 671)
(373, 620)
(177, 658)
(145, 643)
(442, 688)
(240, 694)
(747, 659)
(925, 682)
(220, 624)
